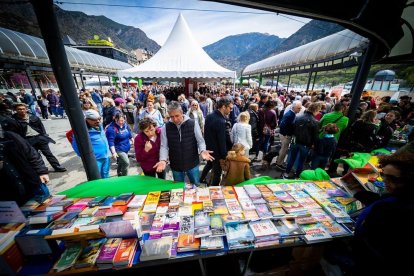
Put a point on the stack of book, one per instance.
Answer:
(265, 233)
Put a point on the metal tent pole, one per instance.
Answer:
(46, 18)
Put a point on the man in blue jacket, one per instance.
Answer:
(29, 101)
(98, 140)
(286, 132)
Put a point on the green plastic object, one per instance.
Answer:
(316, 175)
(114, 186)
(357, 160)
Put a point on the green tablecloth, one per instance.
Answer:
(117, 185)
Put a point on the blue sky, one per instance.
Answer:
(207, 27)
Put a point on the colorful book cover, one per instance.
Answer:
(162, 208)
(187, 242)
(320, 215)
(185, 210)
(171, 222)
(68, 258)
(220, 207)
(208, 206)
(153, 198)
(97, 201)
(146, 221)
(212, 243)
(90, 253)
(108, 250)
(156, 249)
(177, 195)
(150, 208)
(247, 205)
(201, 219)
(130, 215)
(116, 210)
(137, 202)
(284, 197)
(30, 206)
(233, 206)
(45, 217)
(67, 217)
(158, 223)
(61, 205)
(262, 228)
(275, 187)
(216, 225)
(251, 215)
(263, 211)
(277, 212)
(259, 200)
(228, 192)
(334, 192)
(123, 199)
(125, 252)
(252, 191)
(241, 193)
(187, 225)
(306, 220)
(263, 188)
(315, 233)
(173, 207)
(335, 229)
(77, 207)
(165, 197)
(216, 192)
(89, 211)
(190, 196)
(202, 232)
(292, 207)
(203, 194)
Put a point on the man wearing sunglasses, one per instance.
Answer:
(98, 140)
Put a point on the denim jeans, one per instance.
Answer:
(265, 143)
(33, 109)
(103, 166)
(297, 153)
(193, 174)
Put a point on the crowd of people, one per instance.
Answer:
(229, 131)
(163, 128)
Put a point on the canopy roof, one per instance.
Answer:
(22, 47)
(389, 24)
(180, 57)
(336, 46)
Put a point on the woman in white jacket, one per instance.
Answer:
(242, 132)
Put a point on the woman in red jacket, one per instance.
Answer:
(147, 147)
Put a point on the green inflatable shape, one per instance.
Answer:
(380, 151)
(316, 175)
(264, 180)
(357, 160)
(114, 186)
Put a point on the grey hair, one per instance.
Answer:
(173, 106)
(297, 102)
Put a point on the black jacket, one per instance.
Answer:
(306, 130)
(22, 166)
(20, 127)
(254, 122)
(215, 134)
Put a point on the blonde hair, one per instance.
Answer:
(235, 151)
(244, 117)
(254, 107)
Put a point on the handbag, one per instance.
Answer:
(267, 130)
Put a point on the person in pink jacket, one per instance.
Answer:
(147, 147)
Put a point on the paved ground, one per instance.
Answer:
(76, 174)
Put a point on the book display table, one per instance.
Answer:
(137, 222)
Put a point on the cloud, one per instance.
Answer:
(206, 26)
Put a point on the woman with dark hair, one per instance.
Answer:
(363, 133)
(147, 147)
(387, 128)
(380, 231)
(119, 137)
(267, 125)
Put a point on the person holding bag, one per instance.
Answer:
(267, 125)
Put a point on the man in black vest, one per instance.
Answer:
(217, 137)
(181, 144)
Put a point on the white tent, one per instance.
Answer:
(180, 57)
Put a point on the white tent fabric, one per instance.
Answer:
(180, 57)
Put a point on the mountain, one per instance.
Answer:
(312, 31)
(78, 25)
(236, 51)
